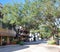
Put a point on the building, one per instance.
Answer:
(9, 36)
(5, 34)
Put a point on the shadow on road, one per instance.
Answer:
(12, 48)
(36, 42)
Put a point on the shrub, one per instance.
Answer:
(20, 42)
(51, 42)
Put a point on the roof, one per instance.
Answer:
(6, 32)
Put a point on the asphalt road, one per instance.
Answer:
(41, 47)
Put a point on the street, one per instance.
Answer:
(31, 47)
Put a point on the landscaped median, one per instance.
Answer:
(51, 42)
(54, 42)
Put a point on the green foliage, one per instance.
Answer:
(45, 31)
(32, 14)
(11, 14)
(51, 42)
(45, 35)
(21, 43)
(23, 14)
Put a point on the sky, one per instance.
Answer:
(3, 2)
(10, 1)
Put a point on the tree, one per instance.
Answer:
(10, 13)
(33, 13)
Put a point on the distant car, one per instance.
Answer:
(31, 38)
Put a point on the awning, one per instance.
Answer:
(6, 32)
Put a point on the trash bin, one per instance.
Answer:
(58, 41)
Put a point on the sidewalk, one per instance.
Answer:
(47, 45)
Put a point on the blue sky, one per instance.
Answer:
(10, 1)
(18, 1)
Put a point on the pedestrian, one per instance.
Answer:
(34, 38)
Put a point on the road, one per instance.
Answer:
(31, 47)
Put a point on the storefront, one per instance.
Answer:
(6, 36)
